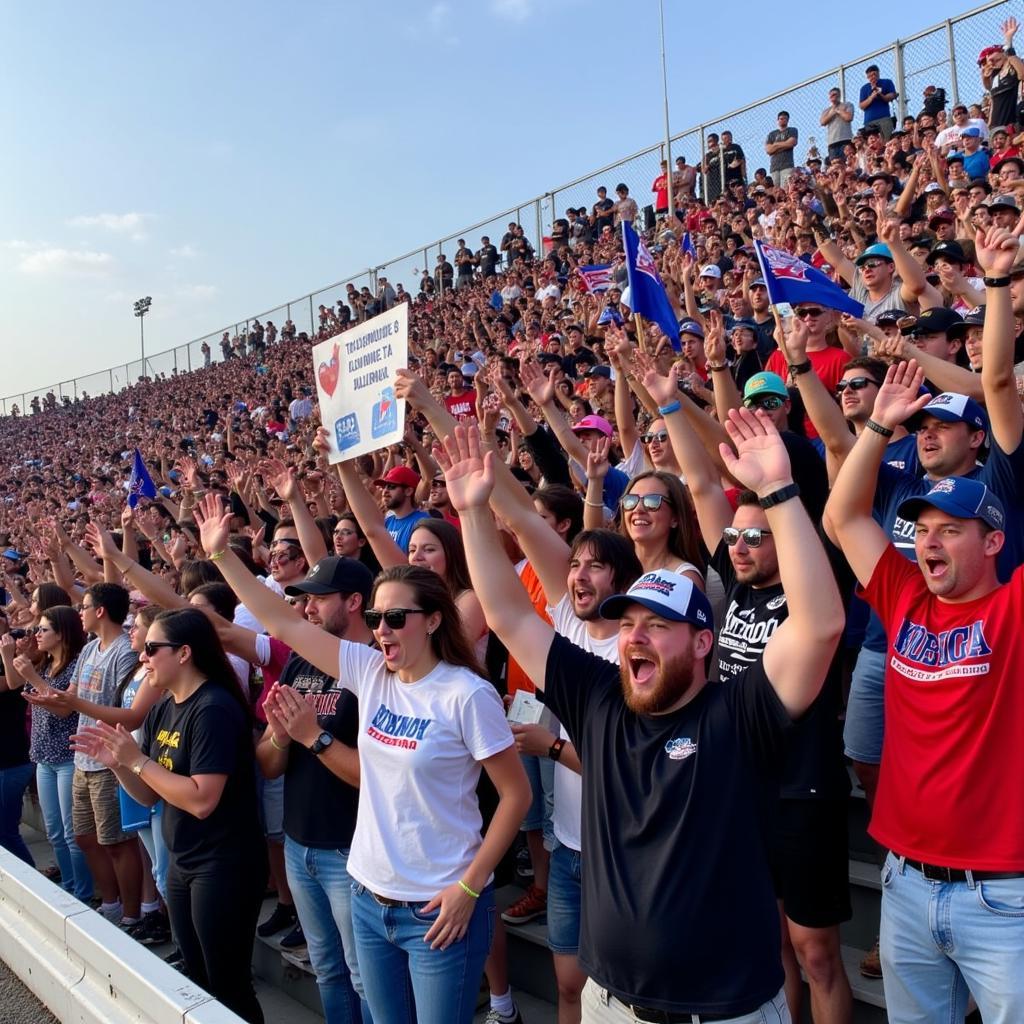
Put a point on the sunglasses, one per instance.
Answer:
(651, 502)
(394, 617)
(752, 536)
(856, 384)
(661, 436)
(280, 557)
(152, 646)
(767, 402)
(803, 314)
(872, 264)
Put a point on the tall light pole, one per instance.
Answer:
(141, 309)
(668, 134)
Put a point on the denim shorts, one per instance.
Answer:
(564, 899)
(271, 806)
(541, 773)
(865, 711)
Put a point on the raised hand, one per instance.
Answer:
(214, 522)
(189, 471)
(597, 459)
(468, 474)
(760, 462)
(539, 387)
(410, 387)
(100, 541)
(1009, 29)
(663, 389)
(280, 477)
(791, 336)
(899, 397)
(996, 250)
(714, 338)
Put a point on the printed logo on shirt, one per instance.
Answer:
(940, 655)
(397, 730)
(680, 749)
(902, 533)
(743, 636)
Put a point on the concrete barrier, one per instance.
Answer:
(83, 968)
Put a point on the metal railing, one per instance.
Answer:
(944, 55)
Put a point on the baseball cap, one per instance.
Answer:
(691, 327)
(599, 370)
(13, 555)
(1005, 202)
(758, 282)
(972, 132)
(335, 575)
(598, 423)
(933, 186)
(668, 594)
(890, 316)
(942, 216)
(1019, 161)
(961, 498)
(877, 251)
(974, 317)
(764, 383)
(947, 250)
(936, 320)
(401, 475)
(469, 369)
(744, 322)
(987, 52)
(953, 408)
(711, 270)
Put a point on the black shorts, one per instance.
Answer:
(809, 858)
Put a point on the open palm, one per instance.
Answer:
(760, 462)
(214, 524)
(468, 474)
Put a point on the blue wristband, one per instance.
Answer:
(670, 408)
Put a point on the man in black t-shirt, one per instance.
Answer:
(487, 258)
(672, 767)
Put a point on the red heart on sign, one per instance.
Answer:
(328, 373)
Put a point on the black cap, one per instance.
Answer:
(335, 575)
(947, 250)
(937, 320)
(599, 371)
(972, 318)
(890, 316)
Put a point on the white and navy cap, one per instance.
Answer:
(668, 594)
(955, 408)
(711, 270)
(959, 497)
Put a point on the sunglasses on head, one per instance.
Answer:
(651, 502)
(661, 436)
(767, 402)
(752, 536)
(806, 311)
(394, 617)
(152, 646)
(856, 384)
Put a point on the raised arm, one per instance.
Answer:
(799, 653)
(915, 287)
(154, 588)
(368, 514)
(282, 479)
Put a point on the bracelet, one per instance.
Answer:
(140, 767)
(878, 428)
(275, 744)
(1010, 51)
(798, 368)
(715, 367)
(466, 889)
(996, 282)
(779, 496)
(593, 504)
(555, 750)
(216, 556)
(672, 407)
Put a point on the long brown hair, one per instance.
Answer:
(456, 568)
(684, 540)
(67, 624)
(433, 595)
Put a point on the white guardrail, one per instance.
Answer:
(83, 968)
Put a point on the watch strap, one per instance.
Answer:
(555, 750)
(783, 494)
(797, 368)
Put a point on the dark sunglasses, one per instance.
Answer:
(856, 384)
(752, 536)
(661, 436)
(394, 617)
(803, 314)
(152, 646)
(651, 502)
(767, 402)
(873, 264)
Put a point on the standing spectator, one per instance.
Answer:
(660, 189)
(444, 274)
(15, 765)
(385, 295)
(734, 160)
(779, 146)
(487, 258)
(684, 182)
(205, 349)
(603, 213)
(1001, 74)
(876, 96)
(837, 117)
(711, 167)
(464, 261)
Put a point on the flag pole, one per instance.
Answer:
(668, 134)
(639, 321)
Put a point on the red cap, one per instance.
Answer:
(987, 52)
(401, 475)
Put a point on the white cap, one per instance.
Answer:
(711, 270)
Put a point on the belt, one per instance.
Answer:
(652, 1016)
(936, 874)
(387, 901)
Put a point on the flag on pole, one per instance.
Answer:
(596, 278)
(789, 279)
(688, 245)
(141, 483)
(647, 294)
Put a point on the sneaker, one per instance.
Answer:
(153, 930)
(533, 903)
(494, 1017)
(113, 913)
(294, 938)
(175, 960)
(282, 917)
(871, 965)
(524, 866)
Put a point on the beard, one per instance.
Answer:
(672, 679)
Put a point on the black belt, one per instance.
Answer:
(936, 874)
(652, 1016)
(387, 901)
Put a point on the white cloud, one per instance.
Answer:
(120, 223)
(56, 260)
(438, 14)
(512, 10)
(185, 252)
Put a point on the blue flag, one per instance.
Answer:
(790, 279)
(646, 292)
(688, 245)
(141, 483)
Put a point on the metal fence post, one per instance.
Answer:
(540, 227)
(951, 44)
(111, 372)
(901, 81)
(312, 329)
(188, 357)
(700, 164)
(842, 82)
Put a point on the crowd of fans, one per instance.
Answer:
(644, 546)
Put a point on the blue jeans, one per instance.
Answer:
(152, 837)
(541, 773)
(564, 899)
(406, 981)
(322, 889)
(865, 713)
(941, 939)
(53, 783)
(13, 783)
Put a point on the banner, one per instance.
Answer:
(354, 373)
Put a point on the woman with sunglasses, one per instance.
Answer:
(196, 755)
(423, 904)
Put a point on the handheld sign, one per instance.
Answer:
(354, 373)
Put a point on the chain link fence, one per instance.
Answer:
(944, 55)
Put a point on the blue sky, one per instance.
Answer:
(226, 157)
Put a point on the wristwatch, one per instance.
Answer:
(797, 368)
(321, 743)
(555, 750)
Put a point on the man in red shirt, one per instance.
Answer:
(660, 190)
(460, 400)
(950, 802)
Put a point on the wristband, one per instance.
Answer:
(138, 768)
(997, 282)
(672, 407)
(778, 497)
(797, 368)
(275, 744)
(879, 429)
(466, 889)
(216, 556)
(717, 367)
(593, 504)
(555, 750)
(1009, 51)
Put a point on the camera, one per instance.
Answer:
(20, 634)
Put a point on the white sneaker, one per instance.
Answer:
(112, 913)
